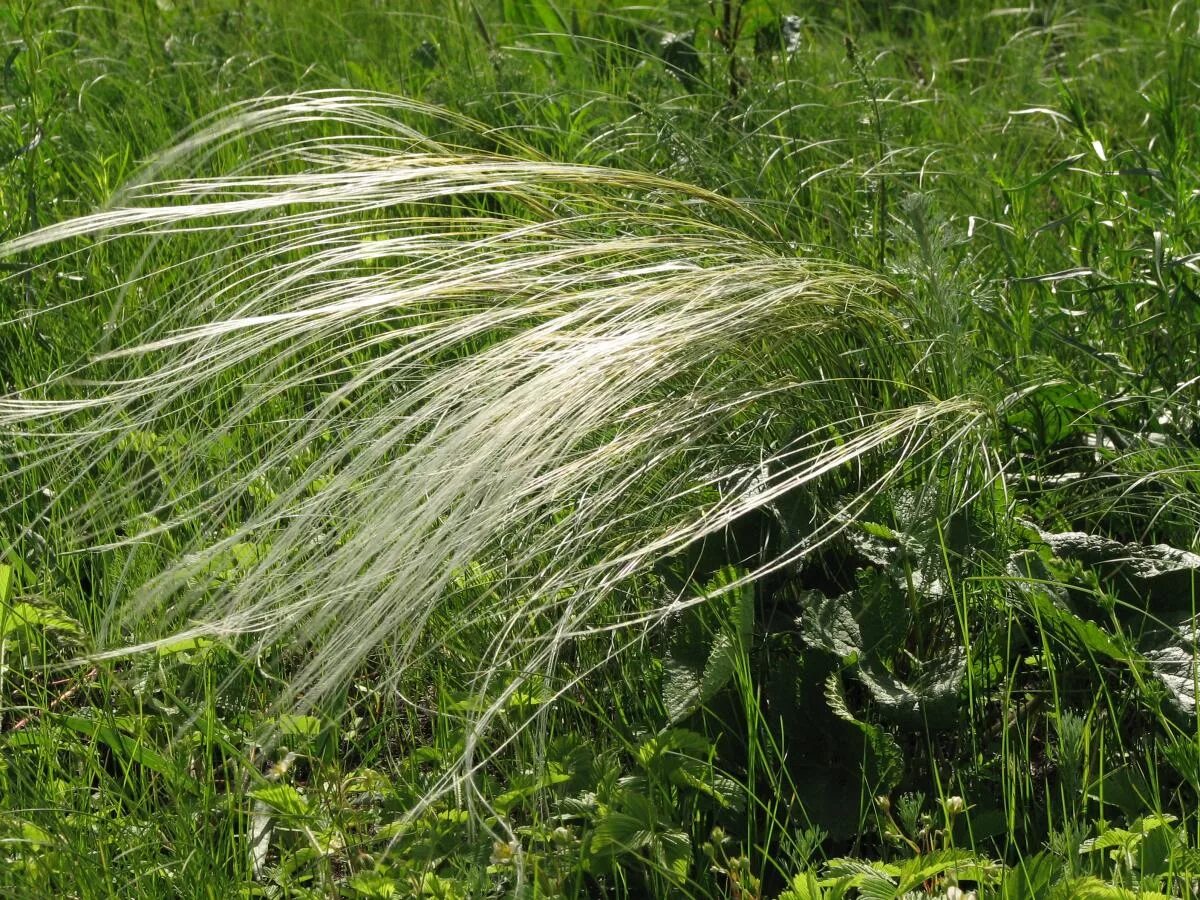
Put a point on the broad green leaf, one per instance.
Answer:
(1175, 663)
(719, 669)
(663, 750)
(874, 880)
(1183, 753)
(23, 831)
(886, 752)
(527, 697)
(1113, 837)
(673, 850)
(1092, 888)
(681, 689)
(435, 886)
(246, 555)
(700, 777)
(32, 834)
(375, 885)
(1046, 604)
(618, 832)
(932, 700)
(1056, 411)
(27, 615)
(512, 798)
(186, 646)
(1153, 822)
(282, 798)
(1030, 878)
(962, 864)
(877, 888)
(6, 577)
(1186, 861)
(684, 688)
(299, 726)
(882, 532)
(1154, 577)
(803, 887)
(879, 604)
(455, 818)
(43, 738)
(829, 625)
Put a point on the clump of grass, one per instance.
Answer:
(564, 374)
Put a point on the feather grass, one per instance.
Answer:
(383, 357)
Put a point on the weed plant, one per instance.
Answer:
(556, 450)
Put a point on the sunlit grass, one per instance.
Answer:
(520, 451)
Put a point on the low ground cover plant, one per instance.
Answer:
(552, 451)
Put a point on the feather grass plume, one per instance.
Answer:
(384, 353)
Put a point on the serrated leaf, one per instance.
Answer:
(1092, 888)
(740, 599)
(886, 752)
(681, 690)
(727, 792)
(1153, 822)
(246, 555)
(673, 850)
(1073, 630)
(719, 669)
(510, 799)
(803, 887)
(877, 530)
(1157, 577)
(1175, 663)
(374, 884)
(1030, 878)
(848, 866)
(1186, 861)
(1113, 837)
(829, 625)
(666, 749)
(877, 889)
(873, 880)
(618, 832)
(963, 865)
(931, 701)
(684, 689)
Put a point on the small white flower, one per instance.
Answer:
(954, 805)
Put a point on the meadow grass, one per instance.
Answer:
(515, 448)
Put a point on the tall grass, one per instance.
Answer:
(563, 374)
(823, 463)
